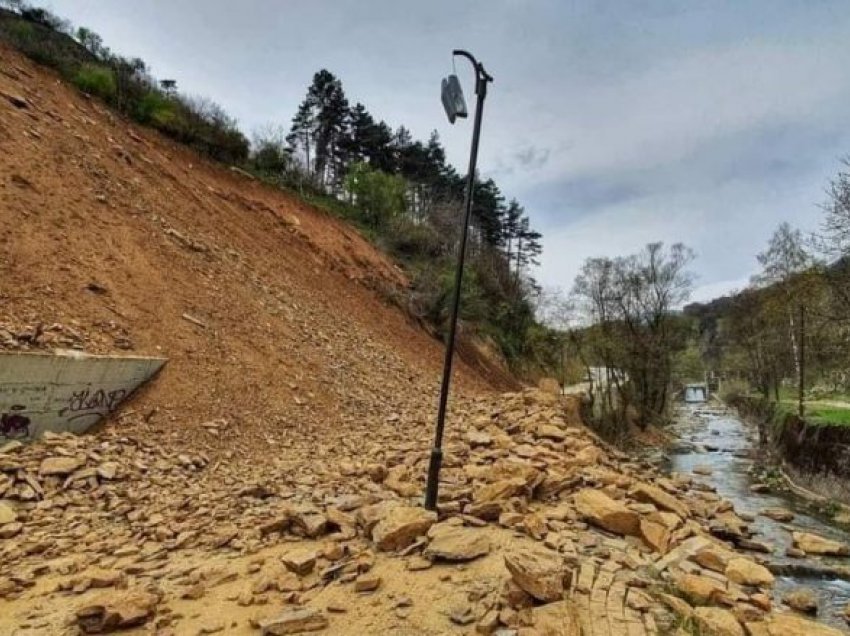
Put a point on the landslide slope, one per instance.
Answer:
(273, 315)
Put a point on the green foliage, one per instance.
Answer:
(96, 80)
(733, 389)
(399, 191)
(409, 239)
(635, 333)
(122, 82)
(828, 415)
(378, 195)
(155, 108)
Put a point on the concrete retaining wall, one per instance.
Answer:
(65, 391)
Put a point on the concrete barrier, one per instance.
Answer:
(65, 390)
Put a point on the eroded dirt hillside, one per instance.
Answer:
(272, 314)
(270, 480)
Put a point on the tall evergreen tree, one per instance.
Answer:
(330, 106)
(300, 137)
(488, 208)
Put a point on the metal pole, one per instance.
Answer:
(481, 79)
(801, 381)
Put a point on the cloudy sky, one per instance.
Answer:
(614, 122)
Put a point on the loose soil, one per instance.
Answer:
(270, 480)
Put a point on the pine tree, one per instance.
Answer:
(488, 208)
(327, 98)
(368, 141)
(300, 137)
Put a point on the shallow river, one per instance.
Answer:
(713, 436)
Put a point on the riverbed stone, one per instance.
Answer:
(782, 515)
(655, 535)
(802, 600)
(811, 543)
(713, 558)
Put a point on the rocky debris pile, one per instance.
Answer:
(104, 336)
(567, 520)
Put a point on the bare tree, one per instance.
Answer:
(629, 303)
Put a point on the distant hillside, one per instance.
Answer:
(43, 42)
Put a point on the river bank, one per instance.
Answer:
(722, 450)
(806, 446)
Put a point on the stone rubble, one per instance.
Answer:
(580, 533)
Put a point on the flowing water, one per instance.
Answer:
(714, 437)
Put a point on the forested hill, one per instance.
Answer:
(792, 321)
(400, 192)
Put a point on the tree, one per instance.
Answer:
(91, 41)
(836, 223)
(270, 153)
(633, 334)
(488, 208)
(379, 195)
(16, 6)
(784, 265)
(330, 108)
(300, 138)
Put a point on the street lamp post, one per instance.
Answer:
(455, 107)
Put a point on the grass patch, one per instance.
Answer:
(828, 415)
(96, 80)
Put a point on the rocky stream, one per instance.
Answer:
(715, 444)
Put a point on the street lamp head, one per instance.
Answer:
(453, 101)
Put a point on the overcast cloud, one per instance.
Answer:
(615, 123)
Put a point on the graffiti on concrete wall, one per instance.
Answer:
(88, 402)
(66, 391)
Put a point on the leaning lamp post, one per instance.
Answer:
(455, 105)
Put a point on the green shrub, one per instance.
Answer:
(409, 239)
(21, 33)
(96, 80)
(379, 195)
(154, 108)
(731, 390)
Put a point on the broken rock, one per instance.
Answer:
(116, 610)
(714, 621)
(7, 514)
(300, 561)
(654, 495)
(60, 465)
(293, 622)
(802, 600)
(746, 572)
(600, 510)
(400, 527)
(813, 544)
(456, 543)
(539, 572)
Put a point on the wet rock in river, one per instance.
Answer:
(811, 543)
(802, 600)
